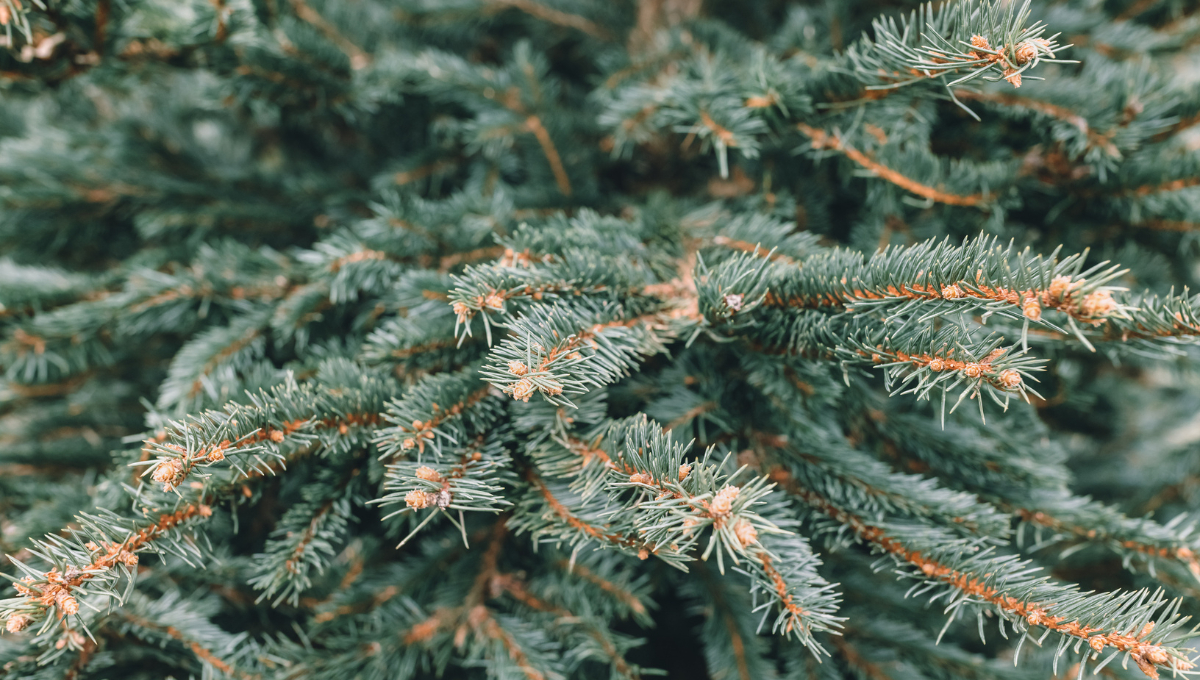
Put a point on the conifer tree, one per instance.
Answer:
(555, 339)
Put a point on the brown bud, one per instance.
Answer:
(973, 370)
(168, 473)
(745, 532)
(428, 474)
(722, 503)
(1059, 287)
(17, 623)
(1156, 655)
(419, 499)
(462, 311)
(522, 389)
(1010, 378)
(66, 603)
(641, 478)
(1026, 52)
(517, 368)
(1098, 304)
(1031, 309)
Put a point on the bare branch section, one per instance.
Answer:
(832, 141)
(557, 17)
(358, 58)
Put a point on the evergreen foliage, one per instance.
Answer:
(553, 339)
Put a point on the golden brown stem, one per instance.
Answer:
(358, 58)
(825, 140)
(557, 17)
(534, 125)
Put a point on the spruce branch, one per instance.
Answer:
(820, 460)
(607, 647)
(94, 568)
(730, 627)
(1079, 522)
(832, 141)
(552, 513)
(474, 483)
(436, 411)
(667, 502)
(178, 619)
(306, 536)
(1033, 491)
(1137, 624)
(561, 350)
(282, 224)
(603, 572)
(983, 39)
(978, 275)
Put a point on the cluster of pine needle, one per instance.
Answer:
(568, 339)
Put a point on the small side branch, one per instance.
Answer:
(825, 140)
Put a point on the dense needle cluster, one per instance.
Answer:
(556, 339)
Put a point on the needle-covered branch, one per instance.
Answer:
(1139, 625)
(500, 338)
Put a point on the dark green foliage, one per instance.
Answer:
(549, 339)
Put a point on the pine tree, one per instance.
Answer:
(549, 339)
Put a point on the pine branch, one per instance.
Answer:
(515, 588)
(823, 140)
(1135, 624)
(729, 629)
(472, 484)
(305, 537)
(439, 409)
(560, 350)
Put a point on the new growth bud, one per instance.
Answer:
(722, 503)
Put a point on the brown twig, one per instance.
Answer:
(1173, 185)
(1060, 112)
(358, 58)
(199, 650)
(824, 140)
(1146, 655)
(856, 661)
(557, 17)
(736, 642)
(534, 124)
(624, 596)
